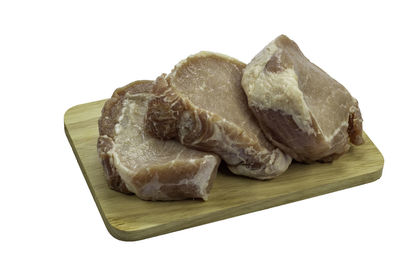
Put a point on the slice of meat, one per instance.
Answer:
(202, 104)
(300, 108)
(135, 162)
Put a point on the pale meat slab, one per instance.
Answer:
(201, 103)
(300, 108)
(135, 162)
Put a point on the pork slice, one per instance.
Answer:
(202, 104)
(135, 162)
(300, 108)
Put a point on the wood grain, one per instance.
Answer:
(129, 218)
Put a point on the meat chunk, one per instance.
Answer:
(202, 104)
(135, 162)
(300, 108)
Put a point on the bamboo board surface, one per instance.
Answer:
(129, 218)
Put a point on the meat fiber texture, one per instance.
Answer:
(135, 162)
(300, 108)
(201, 103)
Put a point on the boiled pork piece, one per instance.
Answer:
(300, 108)
(135, 162)
(202, 104)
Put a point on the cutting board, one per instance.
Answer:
(129, 218)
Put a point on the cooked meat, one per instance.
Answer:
(135, 162)
(300, 108)
(202, 104)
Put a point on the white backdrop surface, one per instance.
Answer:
(56, 54)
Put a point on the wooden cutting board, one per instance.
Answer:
(129, 218)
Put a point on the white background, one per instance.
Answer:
(54, 55)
